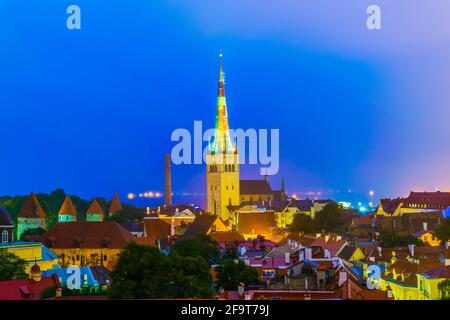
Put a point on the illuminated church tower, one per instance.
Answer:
(222, 162)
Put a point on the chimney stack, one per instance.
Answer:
(167, 182)
(411, 249)
(425, 226)
(287, 258)
(172, 227)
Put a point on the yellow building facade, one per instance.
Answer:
(428, 237)
(88, 257)
(33, 252)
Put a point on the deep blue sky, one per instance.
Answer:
(91, 111)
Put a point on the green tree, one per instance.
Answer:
(231, 273)
(393, 239)
(199, 246)
(444, 288)
(188, 277)
(142, 272)
(11, 266)
(443, 231)
(302, 223)
(331, 219)
(32, 232)
(128, 214)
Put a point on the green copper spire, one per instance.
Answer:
(222, 141)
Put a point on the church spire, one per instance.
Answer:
(222, 140)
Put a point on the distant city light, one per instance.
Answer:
(370, 204)
(131, 196)
(294, 196)
(362, 209)
(345, 204)
(371, 193)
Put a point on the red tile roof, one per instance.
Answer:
(98, 234)
(116, 206)
(333, 244)
(26, 289)
(390, 205)
(157, 228)
(226, 236)
(95, 208)
(254, 187)
(67, 208)
(293, 295)
(32, 208)
(431, 199)
(365, 220)
(255, 223)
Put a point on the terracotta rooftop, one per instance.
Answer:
(98, 234)
(26, 289)
(201, 225)
(431, 199)
(32, 208)
(254, 187)
(95, 208)
(255, 223)
(390, 205)
(116, 206)
(226, 236)
(67, 208)
(157, 228)
(333, 244)
(365, 220)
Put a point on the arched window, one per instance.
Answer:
(4, 236)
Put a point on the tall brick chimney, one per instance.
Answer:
(167, 182)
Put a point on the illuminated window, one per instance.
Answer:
(5, 236)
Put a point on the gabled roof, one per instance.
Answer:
(226, 236)
(332, 244)
(116, 206)
(390, 205)
(347, 252)
(84, 234)
(32, 208)
(255, 222)
(442, 272)
(364, 220)
(157, 228)
(254, 187)
(95, 208)
(303, 205)
(201, 225)
(67, 208)
(26, 289)
(431, 199)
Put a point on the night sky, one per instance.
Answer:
(92, 110)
